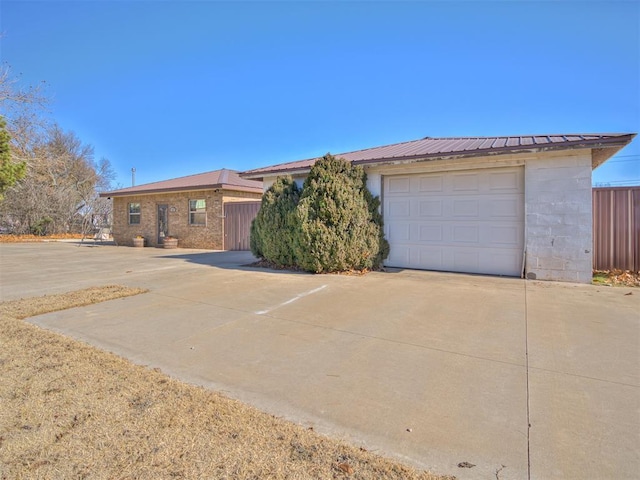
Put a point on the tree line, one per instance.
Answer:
(49, 178)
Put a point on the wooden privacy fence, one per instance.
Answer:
(237, 224)
(616, 228)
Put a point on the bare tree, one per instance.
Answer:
(14, 97)
(59, 193)
(96, 212)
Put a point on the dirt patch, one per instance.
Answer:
(622, 278)
(68, 410)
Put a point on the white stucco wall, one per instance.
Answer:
(268, 181)
(558, 223)
(374, 184)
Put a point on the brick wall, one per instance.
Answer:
(209, 236)
(558, 222)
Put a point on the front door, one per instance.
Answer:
(163, 223)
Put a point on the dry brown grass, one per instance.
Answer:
(616, 278)
(68, 410)
(39, 238)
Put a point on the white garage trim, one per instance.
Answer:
(464, 221)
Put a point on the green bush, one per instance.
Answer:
(41, 227)
(274, 228)
(340, 227)
(333, 225)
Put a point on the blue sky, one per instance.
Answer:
(176, 88)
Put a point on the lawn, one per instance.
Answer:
(68, 410)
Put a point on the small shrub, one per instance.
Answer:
(41, 227)
(275, 227)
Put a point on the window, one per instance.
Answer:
(134, 214)
(197, 212)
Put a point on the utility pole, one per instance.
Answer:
(133, 176)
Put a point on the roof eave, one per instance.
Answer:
(609, 147)
(273, 173)
(239, 188)
(155, 191)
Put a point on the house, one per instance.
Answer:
(517, 206)
(211, 210)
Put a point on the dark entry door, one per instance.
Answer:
(163, 223)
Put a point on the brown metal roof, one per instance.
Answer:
(431, 148)
(222, 179)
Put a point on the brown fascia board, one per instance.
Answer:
(609, 144)
(613, 145)
(218, 186)
(278, 172)
(601, 155)
(239, 188)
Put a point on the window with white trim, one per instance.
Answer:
(197, 212)
(134, 214)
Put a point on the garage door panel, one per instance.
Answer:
(504, 235)
(430, 233)
(399, 232)
(430, 208)
(465, 182)
(466, 261)
(430, 184)
(466, 208)
(505, 208)
(457, 221)
(469, 234)
(399, 185)
(400, 208)
(399, 256)
(502, 262)
(462, 234)
(430, 257)
(505, 181)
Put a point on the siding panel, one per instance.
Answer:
(616, 228)
(237, 224)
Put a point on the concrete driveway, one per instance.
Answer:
(435, 369)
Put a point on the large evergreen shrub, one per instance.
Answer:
(340, 227)
(274, 228)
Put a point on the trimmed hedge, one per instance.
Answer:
(333, 225)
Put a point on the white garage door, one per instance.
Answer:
(468, 221)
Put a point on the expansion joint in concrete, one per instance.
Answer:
(526, 353)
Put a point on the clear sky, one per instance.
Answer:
(177, 88)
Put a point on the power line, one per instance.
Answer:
(619, 183)
(616, 160)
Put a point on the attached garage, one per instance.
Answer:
(468, 221)
(516, 206)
